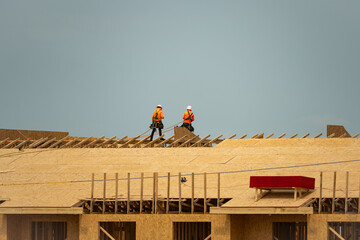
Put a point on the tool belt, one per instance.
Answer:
(156, 124)
(188, 126)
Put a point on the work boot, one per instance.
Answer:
(162, 139)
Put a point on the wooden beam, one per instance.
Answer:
(293, 136)
(243, 136)
(58, 142)
(128, 194)
(334, 232)
(168, 193)
(255, 136)
(140, 142)
(118, 141)
(306, 135)
(331, 135)
(356, 135)
(104, 194)
(205, 201)
(196, 144)
(180, 201)
(269, 136)
(192, 192)
(94, 142)
(10, 143)
(231, 137)
(334, 190)
(156, 191)
(318, 135)
(218, 188)
(261, 210)
(21, 144)
(38, 143)
(162, 143)
(5, 140)
(126, 144)
(69, 143)
(282, 135)
(153, 141)
(260, 136)
(106, 233)
(82, 142)
(320, 197)
(116, 192)
(212, 141)
(176, 141)
(208, 237)
(347, 192)
(141, 191)
(188, 141)
(47, 143)
(105, 142)
(92, 193)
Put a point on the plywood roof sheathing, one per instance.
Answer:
(282, 135)
(293, 136)
(164, 142)
(95, 142)
(243, 136)
(10, 143)
(82, 142)
(200, 141)
(188, 141)
(47, 143)
(270, 135)
(318, 135)
(177, 141)
(69, 143)
(306, 135)
(152, 142)
(212, 141)
(58, 142)
(106, 142)
(140, 142)
(129, 141)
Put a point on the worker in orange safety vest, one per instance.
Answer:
(188, 119)
(156, 121)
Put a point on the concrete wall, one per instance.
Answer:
(19, 226)
(159, 226)
(259, 226)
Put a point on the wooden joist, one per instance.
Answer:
(140, 142)
(82, 142)
(231, 137)
(270, 135)
(106, 142)
(212, 141)
(243, 136)
(293, 136)
(164, 142)
(126, 144)
(69, 143)
(306, 135)
(94, 142)
(59, 142)
(188, 141)
(318, 135)
(10, 143)
(176, 141)
(21, 144)
(200, 141)
(47, 143)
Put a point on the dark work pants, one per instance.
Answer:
(153, 131)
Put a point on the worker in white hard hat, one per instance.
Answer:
(188, 118)
(156, 121)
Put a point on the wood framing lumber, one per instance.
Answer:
(347, 192)
(156, 191)
(243, 136)
(116, 191)
(260, 136)
(106, 233)
(141, 192)
(10, 143)
(180, 201)
(168, 193)
(82, 142)
(188, 141)
(320, 197)
(5, 140)
(59, 142)
(208, 237)
(293, 136)
(336, 233)
(218, 190)
(270, 135)
(104, 194)
(162, 143)
(92, 193)
(71, 142)
(212, 141)
(344, 135)
(41, 210)
(140, 142)
(306, 135)
(106, 142)
(176, 141)
(318, 135)
(359, 198)
(153, 141)
(20, 145)
(282, 135)
(94, 142)
(331, 135)
(205, 201)
(128, 194)
(255, 136)
(119, 141)
(192, 192)
(45, 144)
(36, 144)
(200, 141)
(262, 210)
(333, 199)
(126, 144)
(231, 137)
(356, 135)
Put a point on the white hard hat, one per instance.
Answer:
(189, 107)
(159, 106)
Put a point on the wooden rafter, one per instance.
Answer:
(69, 143)
(200, 141)
(21, 144)
(293, 136)
(82, 142)
(10, 143)
(128, 142)
(176, 141)
(231, 137)
(106, 142)
(47, 143)
(59, 142)
(270, 135)
(119, 141)
(282, 135)
(152, 142)
(306, 135)
(188, 141)
(212, 141)
(5, 140)
(38, 143)
(165, 141)
(243, 136)
(140, 142)
(318, 135)
(94, 142)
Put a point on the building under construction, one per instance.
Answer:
(54, 186)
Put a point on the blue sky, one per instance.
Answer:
(97, 68)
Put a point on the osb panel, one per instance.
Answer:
(19, 226)
(158, 226)
(318, 224)
(33, 134)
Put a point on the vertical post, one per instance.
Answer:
(153, 202)
(128, 195)
(180, 192)
(116, 191)
(205, 201)
(347, 192)
(320, 197)
(92, 193)
(192, 192)
(168, 193)
(218, 197)
(334, 190)
(104, 193)
(156, 192)
(141, 191)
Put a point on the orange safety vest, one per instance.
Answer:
(157, 115)
(188, 117)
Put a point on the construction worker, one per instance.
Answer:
(188, 119)
(156, 121)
